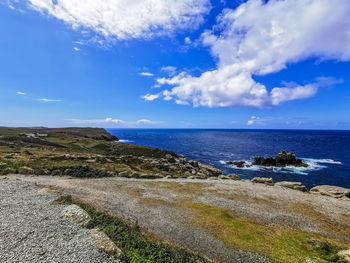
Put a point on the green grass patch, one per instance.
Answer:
(279, 244)
(137, 247)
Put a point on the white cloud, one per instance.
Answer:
(170, 70)
(114, 122)
(254, 120)
(20, 93)
(150, 97)
(145, 121)
(49, 100)
(188, 40)
(123, 19)
(76, 49)
(260, 38)
(146, 74)
(97, 121)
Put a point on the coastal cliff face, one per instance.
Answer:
(89, 152)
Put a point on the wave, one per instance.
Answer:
(313, 165)
(125, 141)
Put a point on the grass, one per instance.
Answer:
(46, 152)
(137, 247)
(282, 245)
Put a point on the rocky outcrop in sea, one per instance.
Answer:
(282, 159)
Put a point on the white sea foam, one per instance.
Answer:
(313, 165)
(125, 141)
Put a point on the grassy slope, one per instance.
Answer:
(16, 150)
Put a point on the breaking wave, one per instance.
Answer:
(125, 141)
(314, 165)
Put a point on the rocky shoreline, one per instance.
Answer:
(282, 159)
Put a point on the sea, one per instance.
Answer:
(326, 152)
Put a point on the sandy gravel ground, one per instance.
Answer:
(32, 230)
(154, 205)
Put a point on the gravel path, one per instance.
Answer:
(154, 205)
(32, 230)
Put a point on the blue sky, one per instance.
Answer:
(189, 64)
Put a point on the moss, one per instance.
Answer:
(137, 247)
(279, 244)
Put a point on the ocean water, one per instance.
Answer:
(326, 152)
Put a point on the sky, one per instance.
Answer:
(277, 64)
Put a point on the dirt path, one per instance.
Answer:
(164, 207)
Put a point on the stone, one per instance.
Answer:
(209, 171)
(123, 174)
(282, 159)
(332, 191)
(233, 177)
(105, 244)
(292, 185)
(193, 163)
(25, 170)
(345, 255)
(262, 180)
(151, 176)
(239, 164)
(56, 172)
(77, 215)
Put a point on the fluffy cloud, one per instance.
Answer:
(260, 38)
(123, 19)
(150, 97)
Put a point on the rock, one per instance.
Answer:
(151, 176)
(56, 172)
(209, 171)
(123, 174)
(233, 177)
(170, 158)
(262, 180)
(25, 170)
(42, 171)
(77, 215)
(345, 255)
(332, 191)
(213, 178)
(292, 185)
(193, 163)
(105, 244)
(187, 174)
(238, 164)
(282, 159)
